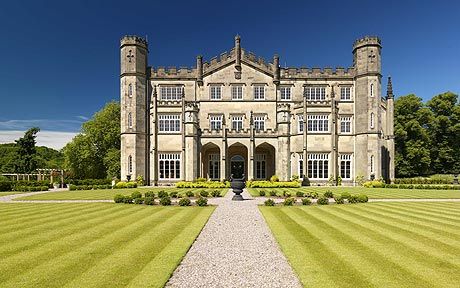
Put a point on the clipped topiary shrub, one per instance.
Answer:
(323, 201)
(173, 194)
(215, 193)
(273, 193)
(307, 194)
(149, 194)
(201, 201)
(269, 202)
(345, 195)
(136, 194)
(306, 201)
(204, 193)
(289, 201)
(189, 194)
(138, 200)
(262, 193)
(185, 202)
(299, 194)
(339, 200)
(119, 185)
(362, 198)
(119, 198)
(149, 200)
(314, 195)
(286, 194)
(274, 178)
(128, 200)
(353, 199)
(131, 185)
(162, 194)
(165, 201)
(328, 194)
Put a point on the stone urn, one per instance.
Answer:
(237, 186)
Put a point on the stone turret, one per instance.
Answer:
(390, 131)
(191, 139)
(276, 68)
(284, 145)
(134, 107)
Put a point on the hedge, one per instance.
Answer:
(30, 188)
(207, 184)
(6, 185)
(436, 179)
(269, 184)
(88, 182)
(89, 187)
(421, 186)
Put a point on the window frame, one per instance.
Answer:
(259, 120)
(259, 91)
(318, 166)
(213, 91)
(345, 163)
(215, 119)
(214, 166)
(344, 120)
(315, 93)
(171, 92)
(239, 91)
(283, 90)
(342, 94)
(316, 123)
(174, 165)
(169, 121)
(237, 119)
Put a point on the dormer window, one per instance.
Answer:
(259, 92)
(215, 92)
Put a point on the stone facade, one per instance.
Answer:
(238, 114)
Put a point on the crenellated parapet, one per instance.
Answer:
(173, 73)
(304, 72)
(367, 41)
(133, 40)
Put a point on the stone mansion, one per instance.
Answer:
(240, 115)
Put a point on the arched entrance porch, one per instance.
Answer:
(210, 161)
(238, 164)
(264, 161)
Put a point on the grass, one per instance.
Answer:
(94, 245)
(107, 194)
(372, 193)
(371, 245)
(10, 193)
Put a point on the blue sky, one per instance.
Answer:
(60, 59)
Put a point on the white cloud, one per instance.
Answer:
(52, 139)
(84, 118)
(43, 124)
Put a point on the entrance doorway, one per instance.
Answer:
(237, 166)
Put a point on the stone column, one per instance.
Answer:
(283, 164)
(334, 139)
(223, 151)
(305, 139)
(191, 142)
(251, 148)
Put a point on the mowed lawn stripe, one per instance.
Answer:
(344, 274)
(49, 252)
(28, 211)
(435, 210)
(400, 248)
(141, 250)
(445, 206)
(344, 241)
(162, 266)
(47, 218)
(424, 213)
(403, 231)
(74, 265)
(299, 255)
(425, 223)
(45, 234)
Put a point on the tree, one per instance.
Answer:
(412, 141)
(26, 160)
(444, 130)
(93, 152)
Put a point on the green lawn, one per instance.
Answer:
(107, 194)
(94, 245)
(373, 193)
(10, 193)
(371, 245)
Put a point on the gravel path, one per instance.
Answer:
(235, 249)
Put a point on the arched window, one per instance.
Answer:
(130, 164)
(130, 120)
(372, 90)
(372, 120)
(130, 90)
(372, 164)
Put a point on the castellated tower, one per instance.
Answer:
(133, 100)
(368, 125)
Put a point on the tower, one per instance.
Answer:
(367, 65)
(133, 100)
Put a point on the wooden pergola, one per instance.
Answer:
(41, 174)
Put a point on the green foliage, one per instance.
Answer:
(5, 186)
(122, 185)
(206, 184)
(201, 201)
(360, 180)
(323, 201)
(328, 194)
(289, 201)
(138, 200)
(273, 193)
(215, 193)
(274, 178)
(314, 194)
(119, 198)
(162, 194)
(140, 180)
(128, 199)
(353, 199)
(269, 202)
(149, 194)
(286, 193)
(306, 201)
(149, 200)
(204, 193)
(165, 201)
(189, 194)
(435, 179)
(374, 184)
(262, 193)
(295, 177)
(26, 158)
(345, 195)
(339, 200)
(299, 194)
(30, 188)
(200, 179)
(271, 184)
(136, 194)
(362, 198)
(185, 202)
(112, 163)
(173, 194)
(92, 153)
